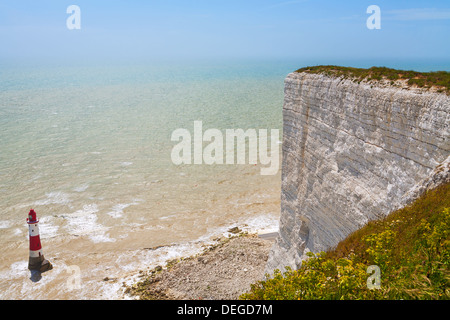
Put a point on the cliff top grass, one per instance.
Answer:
(411, 247)
(438, 79)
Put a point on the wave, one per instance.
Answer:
(56, 197)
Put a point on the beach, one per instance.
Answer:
(223, 271)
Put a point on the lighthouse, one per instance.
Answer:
(36, 260)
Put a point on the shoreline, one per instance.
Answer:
(222, 271)
(106, 276)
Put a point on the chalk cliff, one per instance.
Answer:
(352, 152)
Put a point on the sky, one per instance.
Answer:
(325, 30)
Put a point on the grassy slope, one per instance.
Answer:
(439, 79)
(411, 246)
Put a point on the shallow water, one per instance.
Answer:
(89, 149)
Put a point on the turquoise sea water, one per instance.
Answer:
(88, 147)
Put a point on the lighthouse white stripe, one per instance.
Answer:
(33, 229)
(35, 254)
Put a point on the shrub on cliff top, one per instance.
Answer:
(411, 247)
(440, 79)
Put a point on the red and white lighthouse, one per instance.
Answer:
(36, 260)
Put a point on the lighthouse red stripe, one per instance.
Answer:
(35, 243)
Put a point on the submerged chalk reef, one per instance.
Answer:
(353, 151)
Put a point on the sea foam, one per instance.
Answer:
(56, 197)
(84, 222)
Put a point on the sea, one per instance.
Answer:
(88, 147)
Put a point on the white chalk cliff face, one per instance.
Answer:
(351, 153)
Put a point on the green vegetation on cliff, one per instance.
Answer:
(438, 79)
(411, 247)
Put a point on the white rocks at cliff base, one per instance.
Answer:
(352, 153)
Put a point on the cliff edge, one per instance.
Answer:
(353, 151)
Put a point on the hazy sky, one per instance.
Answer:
(301, 29)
